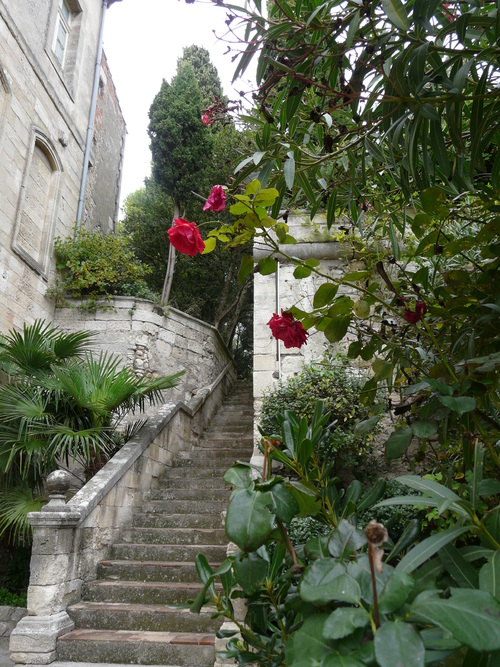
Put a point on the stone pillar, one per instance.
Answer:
(52, 579)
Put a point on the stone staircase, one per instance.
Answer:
(125, 616)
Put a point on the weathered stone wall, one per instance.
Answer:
(314, 241)
(153, 342)
(102, 195)
(44, 111)
(9, 618)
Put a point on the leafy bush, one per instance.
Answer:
(338, 387)
(94, 265)
(8, 599)
(394, 518)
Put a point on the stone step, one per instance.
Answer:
(139, 592)
(187, 468)
(202, 525)
(213, 507)
(144, 571)
(221, 456)
(150, 617)
(167, 552)
(221, 494)
(128, 647)
(183, 482)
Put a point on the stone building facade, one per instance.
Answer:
(48, 55)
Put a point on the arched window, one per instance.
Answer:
(38, 204)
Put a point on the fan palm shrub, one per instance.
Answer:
(60, 404)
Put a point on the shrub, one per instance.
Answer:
(94, 265)
(334, 383)
(8, 599)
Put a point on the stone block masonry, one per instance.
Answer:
(153, 342)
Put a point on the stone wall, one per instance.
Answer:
(44, 112)
(9, 618)
(314, 241)
(153, 341)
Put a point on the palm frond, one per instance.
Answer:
(15, 504)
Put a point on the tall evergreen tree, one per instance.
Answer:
(180, 146)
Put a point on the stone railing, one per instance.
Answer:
(69, 539)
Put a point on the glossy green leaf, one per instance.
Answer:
(282, 503)
(250, 571)
(398, 442)
(472, 617)
(489, 576)
(396, 13)
(289, 171)
(459, 404)
(346, 540)
(399, 644)
(427, 548)
(344, 621)
(239, 476)
(249, 522)
(461, 571)
(326, 580)
(308, 646)
(395, 592)
(246, 268)
(337, 328)
(267, 265)
(424, 429)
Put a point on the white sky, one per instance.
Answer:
(143, 40)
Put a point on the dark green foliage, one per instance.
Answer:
(94, 265)
(16, 576)
(9, 599)
(339, 387)
(394, 518)
(180, 146)
(206, 74)
(60, 404)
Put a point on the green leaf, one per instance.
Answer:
(250, 570)
(307, 646)
(361, 308)
(472, 617)
(302, 272)
(460, 404)
(249, 523)
(337, 328)
(246, 268)
(433, 200)
(463, 573)
(282, 503)
(424, 429)
(367, 425)
(289, 171)
(382, 370)
(427, 548)
(346, 540)
(429, 486)
(395, 592)
(326, 580)
(209, 245)
(398, 645)
(396, 14)
(239, 476)
(489, 576)
(397, 443)
(324, 295)
(267, 265)
(344, 621)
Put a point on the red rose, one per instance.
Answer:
(207, 119)
(185, 237)
(216, 200)
(413, 316)
(284, 327)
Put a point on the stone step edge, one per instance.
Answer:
(128, 636)
(137, 607)
(153, 563)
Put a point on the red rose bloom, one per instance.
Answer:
(284, 327)
(185, 237)
(216, 200)
(207, 119)
(413, 316)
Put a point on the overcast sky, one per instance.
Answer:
(143, 40)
